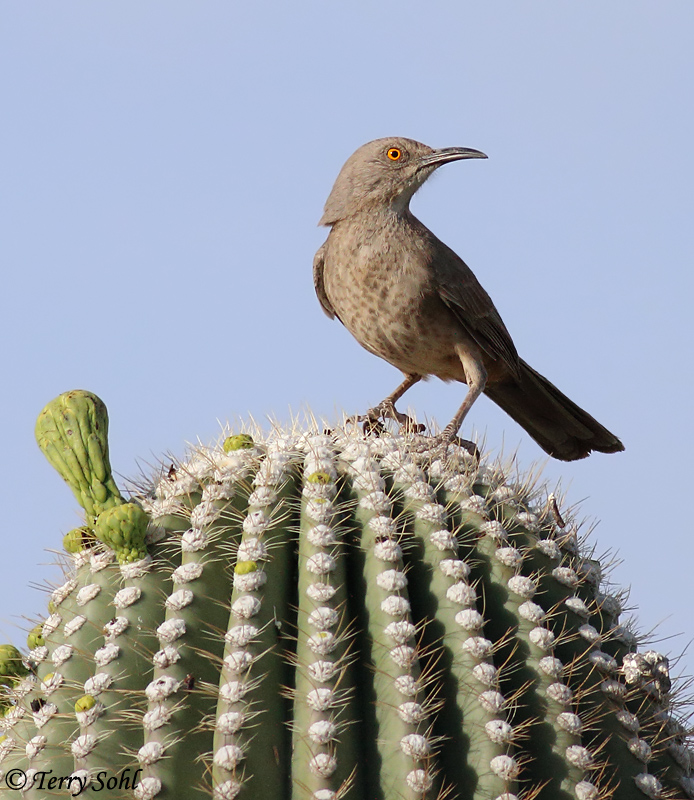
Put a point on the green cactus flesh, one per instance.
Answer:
(308, 616)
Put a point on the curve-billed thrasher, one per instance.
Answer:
(408, 298)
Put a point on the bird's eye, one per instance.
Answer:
(394, 154)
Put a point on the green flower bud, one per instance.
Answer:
(72, 433)
(85, 703)
(319, 477)
(11, 666)
(78, 539)
(244, 567)
(35, 637)
(241, 441)
(123, 529)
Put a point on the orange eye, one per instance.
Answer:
(394, 154)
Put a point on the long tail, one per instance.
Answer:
(557, 424)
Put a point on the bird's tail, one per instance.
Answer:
(557, 424)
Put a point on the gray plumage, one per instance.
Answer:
(409, 299)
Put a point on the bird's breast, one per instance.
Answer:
(383, 291)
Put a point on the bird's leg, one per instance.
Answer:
(386, 408)
(476, 379)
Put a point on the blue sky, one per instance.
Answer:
(164, 165)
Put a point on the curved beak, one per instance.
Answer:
(446, 154)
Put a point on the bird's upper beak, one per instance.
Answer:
(446, 154)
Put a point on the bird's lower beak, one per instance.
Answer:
(446, 154)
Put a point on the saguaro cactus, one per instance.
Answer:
(324, 616)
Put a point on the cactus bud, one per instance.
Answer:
(11, 665)
(72, 433)
(123, 529)
(85, 703)
(78, 539)
(35, 637)
(241, 441)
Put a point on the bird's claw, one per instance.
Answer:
(410, 426)
(374, 418)
(372, 425)
(468, 446)
(387, 410)
(447, 438)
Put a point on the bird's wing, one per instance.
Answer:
(473, 308)
(319, 284)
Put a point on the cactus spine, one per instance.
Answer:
(313, 616)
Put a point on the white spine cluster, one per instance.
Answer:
(399, 633)
(234, 714)
(503, 768)
(535, 627)
(216, 475)
(321, 665)
(108, 668)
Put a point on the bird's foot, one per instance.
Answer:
(371, 424)
(386, 410)
(450, 437)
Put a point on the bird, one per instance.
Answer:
(408, 298)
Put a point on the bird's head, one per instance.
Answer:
(386, 173)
